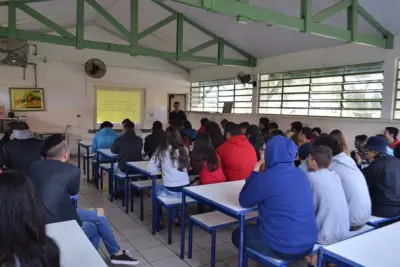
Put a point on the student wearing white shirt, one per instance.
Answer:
(172, 160)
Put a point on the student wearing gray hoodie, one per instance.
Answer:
(353, 182)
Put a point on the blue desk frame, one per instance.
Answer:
(327, 256)
(240, 216)
(111, 175)
(87, 155)
(153, 192)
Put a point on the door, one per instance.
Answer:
(181, 98)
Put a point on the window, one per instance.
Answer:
(211, 96)
(350, 91)
(397, 103)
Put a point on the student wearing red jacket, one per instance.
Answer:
(205, 160)
(238, 156)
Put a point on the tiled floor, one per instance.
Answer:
(135, 235)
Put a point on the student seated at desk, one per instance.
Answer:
(153, 140)
(138, 132)
(255, 138)
(172, 160)
(23, 240)
(205, 161)
(104, 138)
(215, 133)
(330, 205)
(286, 225)
(237, 154)
(22, 150)
(128, 147)
(383, 179)
(305, 137)
(189, 131)
(55, 181)
(353, 182)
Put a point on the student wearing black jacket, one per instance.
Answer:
(153, 140)
(128, 146)
(383, 179)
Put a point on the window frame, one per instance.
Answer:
(397, 89)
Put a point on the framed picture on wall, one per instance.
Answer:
(26, 99)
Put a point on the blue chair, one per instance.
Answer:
(376, 221)
(74, 200)
(141, 186)
(121, 178)
(86, 165)
(210, 222)
(103, 167)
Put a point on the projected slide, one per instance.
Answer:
(116, 106)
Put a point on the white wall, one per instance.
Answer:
(69, 92)
(318, 58)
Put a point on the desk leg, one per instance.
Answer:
(96, 171)
(320, 262)
(126, 195)
(183, 225)
(241, 248)
(87, 165)
(79, 155)
(153, 204)
(111, 182)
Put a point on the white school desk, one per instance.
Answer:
(223, 197)
(141, 167)
(373, 249)
(75, 248)
(86, 144)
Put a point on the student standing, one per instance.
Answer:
(104, 138)
(237, 154)
(205, 160)
(177, 116)
(154, 140)
(286, 225)
(172, 160)
(383, 179)
(128, 147)
(55, 181)
(391, 134)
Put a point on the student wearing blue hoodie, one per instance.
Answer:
(104, 138)
(286, 225)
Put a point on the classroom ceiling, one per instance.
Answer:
(258, 39)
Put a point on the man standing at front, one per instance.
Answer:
(177, 116)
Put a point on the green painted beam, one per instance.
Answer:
(238, 62)
(352, 20)
(45, 21)
(113, 21)
(269, 16)
(332, 10)
(221, 51)
(12, 20)
(374, 23)
(179, 36)
(200, 47)
(200, 59)
(157, 26)
(80, 23)
(306, 14)
(22, 2)
(134, 28)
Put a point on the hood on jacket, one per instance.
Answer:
(22, 134)
(280, 149)
(107, 130)
(345, 160)
(238, 140)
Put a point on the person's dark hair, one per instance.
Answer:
(125, 121)
(338, 135)
(54, 146)
(277, 132)
(322, 155)
(203, 151)
(176, 103)
(157, 125)
(393, 130)
(253, 130)
(204, 121)
(264, 121)
(130, 126)
(307, 132)
(359, 141)
(297, 126)
(106, 124)
(187, 125)
(244, 125)
(21, 126)
(317, 130)
(216, 136)
(396, 152)
(174, 139)
(233, 129)
(273, 125)
(7, 134)
(22, 228)
(224, 122)
(329, 141)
